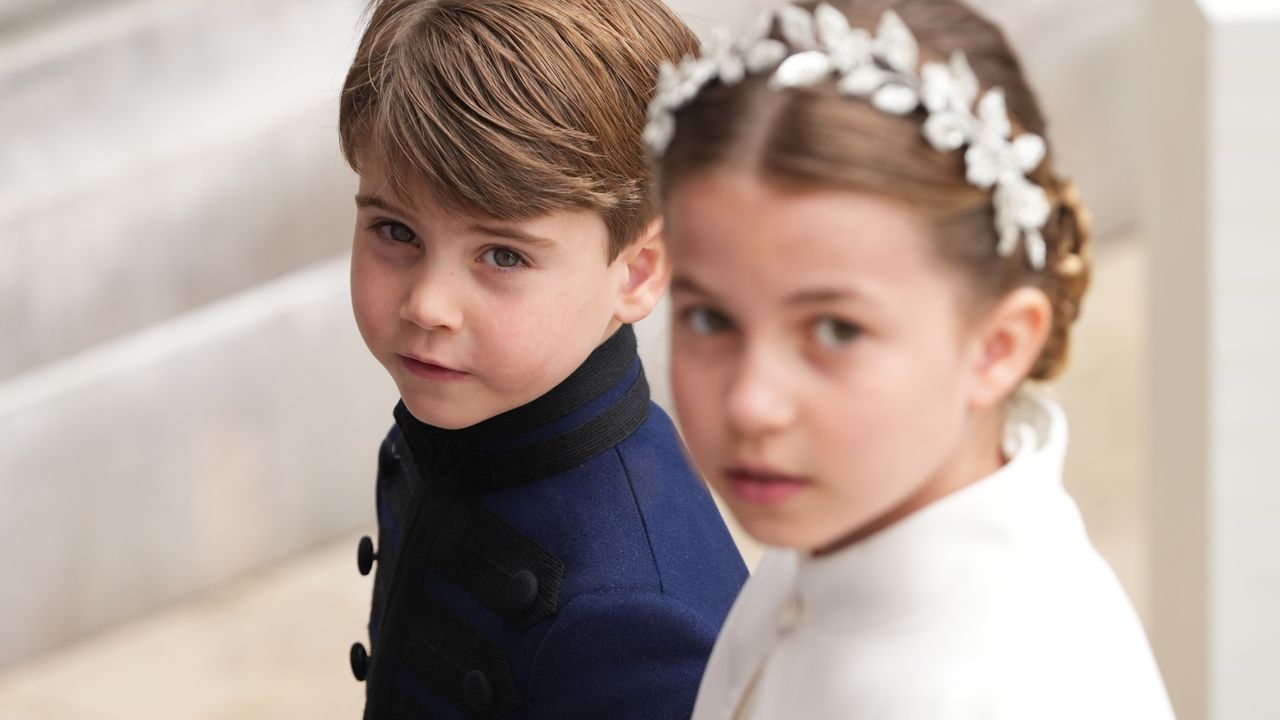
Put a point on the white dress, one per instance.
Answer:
(990, 604)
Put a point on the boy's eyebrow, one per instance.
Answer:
(363, 201)
(511, 233)
(501, 231)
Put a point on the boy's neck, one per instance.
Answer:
(597, 406)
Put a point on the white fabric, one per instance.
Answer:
(989, 604)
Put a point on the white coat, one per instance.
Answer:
(989, 604)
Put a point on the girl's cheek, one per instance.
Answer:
(696, 401)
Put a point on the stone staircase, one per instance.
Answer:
(183, 395)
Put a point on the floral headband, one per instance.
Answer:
(883, 69)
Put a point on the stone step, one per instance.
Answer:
(19, 15)
(167, 153)
(174, 458)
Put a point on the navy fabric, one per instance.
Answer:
(649, 573)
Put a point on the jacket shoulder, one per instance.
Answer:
(620, 653)
(694, 555)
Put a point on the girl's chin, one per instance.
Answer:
(778, 532)
(794, 533)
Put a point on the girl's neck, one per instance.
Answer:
(978, 454)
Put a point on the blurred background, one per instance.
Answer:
(189, 420)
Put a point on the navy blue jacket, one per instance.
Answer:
(560, 560)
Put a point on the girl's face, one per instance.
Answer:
(821, 358)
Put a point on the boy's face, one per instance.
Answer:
(474, 316)
(820, 359)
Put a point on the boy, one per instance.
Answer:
(544, 549)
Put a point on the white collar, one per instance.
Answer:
(938, 549)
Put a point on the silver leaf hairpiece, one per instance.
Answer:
(882, 69)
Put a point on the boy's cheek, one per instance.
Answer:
(523, 348)
(363, 299)
(373, 304)
(543, 315)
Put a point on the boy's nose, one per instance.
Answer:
(758, 402)
(432, 302)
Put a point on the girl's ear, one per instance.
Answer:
(1008, 341)
(646, 270)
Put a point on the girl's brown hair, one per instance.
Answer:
(816, 137)
(513, 108)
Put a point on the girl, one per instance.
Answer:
(872, 252)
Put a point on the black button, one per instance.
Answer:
(476, 692)
(387, 457)
(522, 591)
(359, 662)
(365, 555)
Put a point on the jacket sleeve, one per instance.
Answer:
(620, 654)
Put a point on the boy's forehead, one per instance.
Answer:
(407, 194)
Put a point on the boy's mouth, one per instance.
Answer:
(430, 370)
(762, 485)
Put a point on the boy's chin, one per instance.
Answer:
(446, 418)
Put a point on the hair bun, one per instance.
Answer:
(1069, 241)
(1070, 266)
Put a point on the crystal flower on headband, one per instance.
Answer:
(883, 70)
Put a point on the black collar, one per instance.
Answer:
(598, 406)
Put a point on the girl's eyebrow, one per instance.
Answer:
(803, 297)
(683, 284)
(822, 295)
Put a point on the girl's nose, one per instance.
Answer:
(759, 402)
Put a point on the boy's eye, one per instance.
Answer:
(705, 321)
(397, 232)
(833, 333)
(504, 258)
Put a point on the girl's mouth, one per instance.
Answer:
(763, 486)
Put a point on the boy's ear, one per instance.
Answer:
(645, 272)
(1008, 342)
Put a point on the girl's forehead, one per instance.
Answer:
(735, 227)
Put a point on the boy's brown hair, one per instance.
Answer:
(513, 108)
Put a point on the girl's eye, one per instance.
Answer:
(833, 333)
(705, 321)
(504, 258)
(396, 232)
